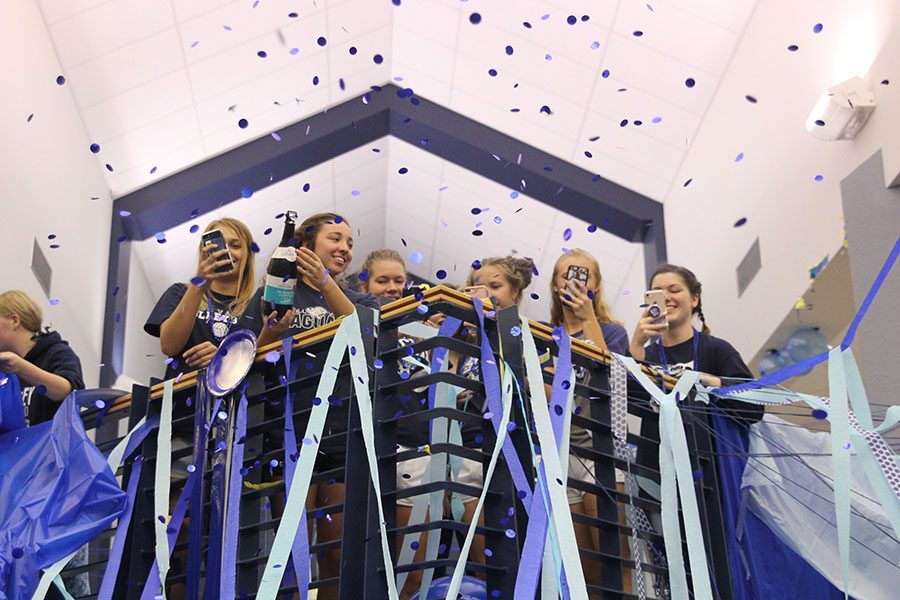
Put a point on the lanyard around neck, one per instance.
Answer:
(696, 358)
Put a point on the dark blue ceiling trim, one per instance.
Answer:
(361, 120)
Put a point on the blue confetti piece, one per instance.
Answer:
(740, 222)
(422, 309)
(548, 56)
(567, 234)
(198, 280)
(509, 50)
(416, 258)
(441, 274)
(95, 148)
(535, 296)
(53, 301)
(377, 363)
(160, 236)
(819, 413)
(306, 187)
(637, 33)
(378, 59)
(315, 80)
(242, 123)
(294, 51)
(492, 72)
(793, 48)
(656, 120)
(750, 99)
(352, 50)
(60, 80)
(153, 170)
(595, 45)
(819, 178)
(475, 18)
(510, 533)
(515, 331)
(403, 170)
(276, 137)
(688, 182)
(262, 54)
(739, 157)
(689, 82)
(605, 74)
(514, 194)
(321, 41)
(246, 192)
(194, 228)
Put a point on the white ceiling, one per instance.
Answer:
(162, 84)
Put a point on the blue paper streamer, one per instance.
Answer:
(233, 511)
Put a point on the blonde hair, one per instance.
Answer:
(17, 302)
(373, 257)
(516, 271)
(246, 283)
(601, 309)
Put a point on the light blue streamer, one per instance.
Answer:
(364, 401)
(296, 499)
(560, 515)
(840, 458)
(677, 481)
(506, 403)
(162, 483)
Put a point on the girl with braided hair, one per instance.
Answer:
(676, 345)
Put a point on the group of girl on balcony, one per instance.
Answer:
(191, 319)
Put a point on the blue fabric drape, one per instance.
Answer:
(775, 570)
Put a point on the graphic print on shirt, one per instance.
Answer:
(222, 321)
(312, 317)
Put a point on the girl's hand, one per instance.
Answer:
(212, 261)
(310, 266)
(646, 328)
(200, 355)
(575, 297)
(278, 327)
(11, 363)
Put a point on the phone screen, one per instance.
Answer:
(217, 240)
(579, 273)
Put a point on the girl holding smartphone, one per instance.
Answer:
(577, 305)
(191, 319)
(673, 342)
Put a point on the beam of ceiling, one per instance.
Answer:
(386, 110)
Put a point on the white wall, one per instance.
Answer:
(798, 220)
(143, 358)
(48, 177)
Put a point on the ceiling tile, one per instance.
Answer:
(437, 21)
(156, 139)
(108, 27)
(138, 107)
(126, 68)
(57, 10)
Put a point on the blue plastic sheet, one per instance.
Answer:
(57, 493)
(12, 411)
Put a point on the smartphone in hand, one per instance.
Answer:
(656, 306)
(476, 291)
(213, 241)
(579, 273)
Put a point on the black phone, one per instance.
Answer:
(217, 240)
(579, 273)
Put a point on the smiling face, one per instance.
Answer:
(334, 246)
(386, 278)
(680, 303)
(498, 286)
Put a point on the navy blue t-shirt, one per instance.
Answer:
(212, 323)
(312, 309)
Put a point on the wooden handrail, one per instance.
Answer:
(405, 305)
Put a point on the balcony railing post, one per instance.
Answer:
(143, 537)
(358, 482)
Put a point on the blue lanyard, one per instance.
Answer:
(662, 353)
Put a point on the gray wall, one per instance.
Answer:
(872, 215)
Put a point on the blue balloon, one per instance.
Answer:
(471, 588)
(806, 343)
(775, 360)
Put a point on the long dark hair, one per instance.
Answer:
(692, 284)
